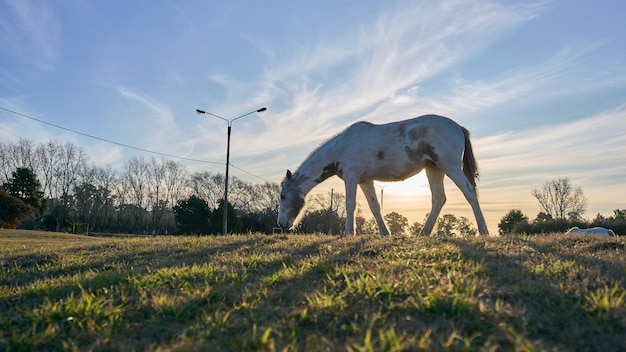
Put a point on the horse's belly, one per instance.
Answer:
(397, 172)
(388, 162)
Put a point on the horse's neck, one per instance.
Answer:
(315, 168)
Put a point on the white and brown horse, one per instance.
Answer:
(366, 152)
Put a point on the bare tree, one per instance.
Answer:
(156, 180)
(240, 195)
(558, 198)
(208, 186)
(14, 156)
(71, 163)
(94, 198)
(175, 176)
(335, 201)
(60, 167)
(49, 156)
(106, 180)
(265, 197)
(134, 178)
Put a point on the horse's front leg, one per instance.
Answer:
(370, 194)
(350, 205)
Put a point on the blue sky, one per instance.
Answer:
(541, 85)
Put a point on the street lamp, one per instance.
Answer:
(230, 122)
(382, 187)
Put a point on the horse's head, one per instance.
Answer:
(291, 202)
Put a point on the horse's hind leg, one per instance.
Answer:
(435, 179)
(469, 191)
(370, 194)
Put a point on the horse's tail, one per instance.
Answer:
(470, 167)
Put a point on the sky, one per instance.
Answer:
(541, 85)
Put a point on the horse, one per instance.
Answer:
(365, 152)
(592, 231)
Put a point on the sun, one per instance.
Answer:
(413, 186)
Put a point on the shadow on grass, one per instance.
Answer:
(237, 293)
(113, 269)
(546, 309)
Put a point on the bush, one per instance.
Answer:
(547, 226)
(511, 220)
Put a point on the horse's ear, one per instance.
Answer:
(289, 175)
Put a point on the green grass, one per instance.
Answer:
(311, 293)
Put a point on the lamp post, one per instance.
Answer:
(230, 123)
(382, 187)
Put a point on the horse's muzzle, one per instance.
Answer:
(283, 224)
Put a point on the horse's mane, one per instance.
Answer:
(332, 139)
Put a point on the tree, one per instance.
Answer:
(465, 227)
(321, 221)
(558, 198)
(71, 163)
(94, 201)
(13, 210)
(14, 156)
(396, 222)
(265, 197)
(175, 176)
(192, 216)
(158, 201)
(135, 180)
(449, 225)
(48, 155)
(262, 209)
(325, 213)
(25, 186)
(59, 217)
(364, 226)
(542, 217)
(415, 228)
(207, 186)
(446, 225)
(86, 199)
(511, 220)
(217, 219)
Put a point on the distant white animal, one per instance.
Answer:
(601, 231)
(365, 152)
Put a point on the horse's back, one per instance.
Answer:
(397, 150)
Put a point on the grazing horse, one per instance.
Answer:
(365, 152)
(592, 231)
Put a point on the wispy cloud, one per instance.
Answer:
(32, 30)
(590, 152)
(566, 73)
(153, 125)
(160, 117)
(559, 150)
(363, 72)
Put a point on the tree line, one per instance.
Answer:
(561, 207)
(71, 193)
(53, 186)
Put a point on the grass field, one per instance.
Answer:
(311, 293)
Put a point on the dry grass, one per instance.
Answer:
(311, 293)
